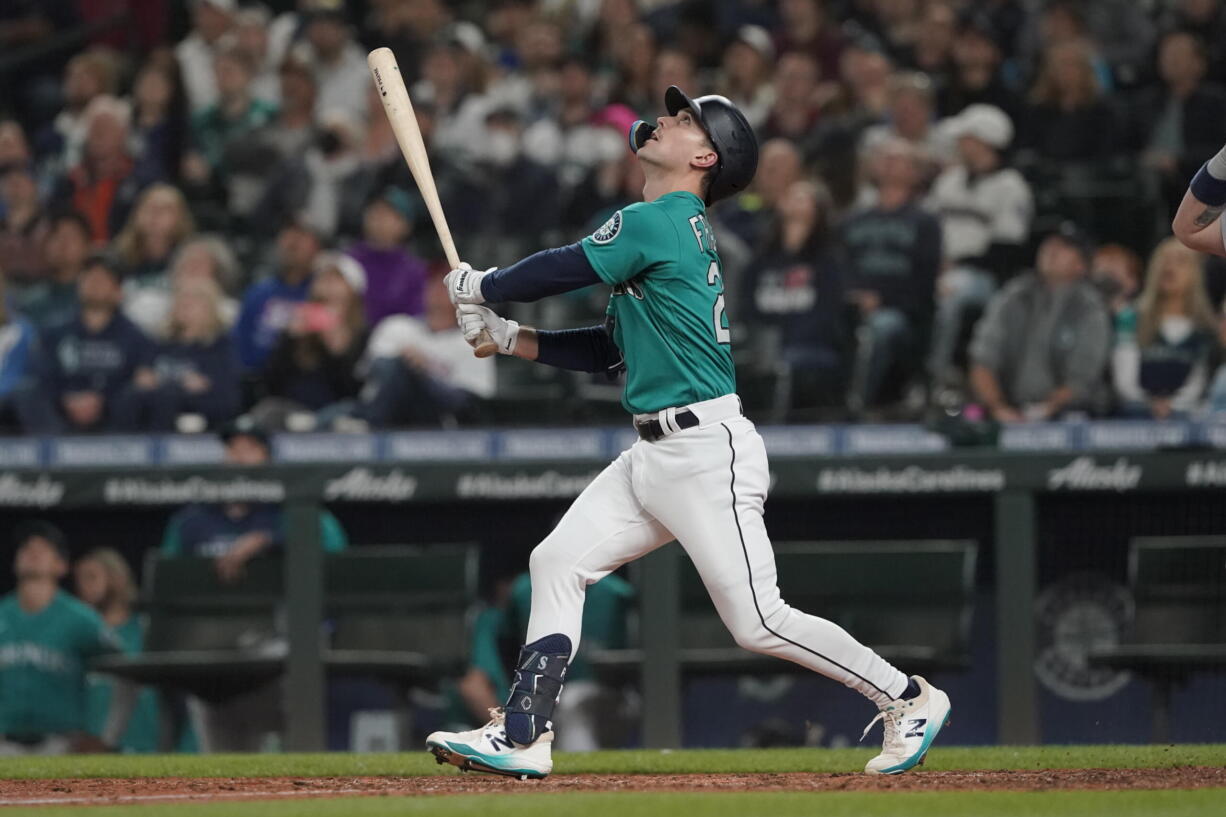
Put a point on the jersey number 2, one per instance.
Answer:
(722, 334)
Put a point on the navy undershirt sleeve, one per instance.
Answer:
(548, 272)
(580, 350)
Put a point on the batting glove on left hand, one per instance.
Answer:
(464, 284)
(474, 319)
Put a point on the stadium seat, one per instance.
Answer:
(911, 601)
(1179, 627)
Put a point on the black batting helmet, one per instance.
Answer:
(728, 131)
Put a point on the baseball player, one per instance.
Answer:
(699, 472)
(1198, 223)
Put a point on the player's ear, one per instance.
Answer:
(704, 158)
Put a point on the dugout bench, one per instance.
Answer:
(1178, 629)
(394, 614)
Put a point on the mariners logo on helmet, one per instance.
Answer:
(609, 230)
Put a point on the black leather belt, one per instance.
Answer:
(652, 430)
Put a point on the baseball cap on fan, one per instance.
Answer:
(987, 123)
(345, 266)
(228, 6)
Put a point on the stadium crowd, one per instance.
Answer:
(959, 205)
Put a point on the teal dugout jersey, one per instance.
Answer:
(667, 307)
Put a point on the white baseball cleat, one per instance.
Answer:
(488, 749)
(910, 728)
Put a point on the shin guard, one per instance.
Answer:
(538, 683)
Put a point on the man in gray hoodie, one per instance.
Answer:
(1042, 345)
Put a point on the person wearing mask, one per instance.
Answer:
(87, 363)
(1041, 348)
(1160, 370)
(47, 639)
(268, 305)
(894, 255)
(794, 291)
(195, 371)
(314, 365)
(104, 581)
(395, 277)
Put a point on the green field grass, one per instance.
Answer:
(1202, 803)
(526, 803)
(643, 761)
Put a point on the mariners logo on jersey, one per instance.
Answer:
(609, 230)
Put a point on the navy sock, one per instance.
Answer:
(911, 691)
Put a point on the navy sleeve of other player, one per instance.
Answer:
(548, 272)
(580, 350)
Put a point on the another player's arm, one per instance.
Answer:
(1197, 223)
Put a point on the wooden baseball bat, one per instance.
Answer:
(399, 109)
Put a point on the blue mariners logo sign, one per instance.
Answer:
(609, 230)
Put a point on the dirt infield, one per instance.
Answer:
(171, 789)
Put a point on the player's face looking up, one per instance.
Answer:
(679, 143)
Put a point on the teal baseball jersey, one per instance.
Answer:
(43, 659)
(141, 734)
(667, 309)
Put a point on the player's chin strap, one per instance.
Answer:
(538, 683)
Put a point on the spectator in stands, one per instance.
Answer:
(794, 298)
(205, 258)
(457, 98)
(88, 75)
(1116, 274)
(211, 21)
(976, 74)
(805, 26)
(894, 254)
(798, 98)
(159, 118)
(911, 105)
(268, 305)
(104, 581)
(87, 363)
(1181, 120)
(235, 113)
(521, 201)
(340, 65)
(47, 638)
(985, 209)
(751, 215)
(294, 127)
(30, 26)
(23, 225)
(18, 347)
(634, 53)
(1206, 20)
(251, 38)
(104, 186)
(1161, 369)
(159, 224)
(14, 146)
(314, 364)
(53, 301)
(394, 276)
(420, 372)
(234, 533)
(745, 76)
(1042, 346)
(194, 372)
(569, 139)
(1060, 22)
(933, 49)
(1068, 120)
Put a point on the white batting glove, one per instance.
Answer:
(474, 319)
(464, 284)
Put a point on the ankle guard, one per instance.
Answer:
(538, 683)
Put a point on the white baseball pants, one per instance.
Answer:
(705, 487)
